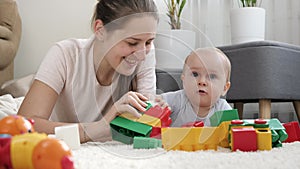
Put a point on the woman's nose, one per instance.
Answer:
(140, 53)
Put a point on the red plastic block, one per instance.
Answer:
(293, 131)
(194, 124)
(162, 114)
(156, 132)
(244, 139)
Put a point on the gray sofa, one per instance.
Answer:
(262, 72)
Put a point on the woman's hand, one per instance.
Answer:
(131, 102)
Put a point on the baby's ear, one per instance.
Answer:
(226, 88)
(182, 76)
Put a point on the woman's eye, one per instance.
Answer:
(132, 43)
(195, 74)
(149, 42)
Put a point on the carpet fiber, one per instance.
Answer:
(114, 155)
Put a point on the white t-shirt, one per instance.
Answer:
(182, 110)
(68, 68)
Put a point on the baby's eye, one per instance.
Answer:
(212, 76)
(195, 74)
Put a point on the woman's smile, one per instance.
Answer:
(130, 61)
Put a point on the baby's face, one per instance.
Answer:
(204, 78)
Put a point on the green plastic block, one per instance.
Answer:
(278, 131)
(146, 143)
(220, 116)
(250, 122)
(124, 130)
(149, 105)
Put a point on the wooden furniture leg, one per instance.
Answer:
(265, 108)
(240, 108)
(297, 108)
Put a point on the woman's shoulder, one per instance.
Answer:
(72, 43)
(71, 48)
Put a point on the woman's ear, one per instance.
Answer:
(226, 88)
(99, 29)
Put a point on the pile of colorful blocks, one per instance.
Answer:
(153, 130)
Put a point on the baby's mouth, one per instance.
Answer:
(202, 91)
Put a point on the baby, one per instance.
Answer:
(205, 78)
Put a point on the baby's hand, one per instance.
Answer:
(158, 100)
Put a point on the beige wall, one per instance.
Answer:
(45, 22)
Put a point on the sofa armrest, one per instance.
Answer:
(10, 32)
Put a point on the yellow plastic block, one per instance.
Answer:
(190, 139)
(129, 116)
(264, 138)
(209, 138)
(150, 120)
(22, 147)
(223, 134)
(173, 138)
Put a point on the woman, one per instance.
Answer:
(90, 81)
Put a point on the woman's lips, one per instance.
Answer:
(130, 61)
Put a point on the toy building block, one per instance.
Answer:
(69, 134)
(293, 131)
(146, 143)
(264, 138)
(278, 132)
(194, 124)
(226, 115)
(150, 120)
(223, 134)
(244, 139)
(124, 130)
(189, 139)
(262, 131)
(162, 113)
(130, 116)
(156, 132)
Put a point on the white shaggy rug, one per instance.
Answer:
(114, 155)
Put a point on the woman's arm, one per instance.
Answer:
(38, 105)
(40, 100)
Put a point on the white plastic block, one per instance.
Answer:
(69, 134)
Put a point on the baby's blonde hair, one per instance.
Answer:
(225, 59)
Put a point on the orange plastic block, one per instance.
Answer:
(190, 139)
(243, 139)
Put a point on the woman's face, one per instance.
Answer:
(130, 44)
